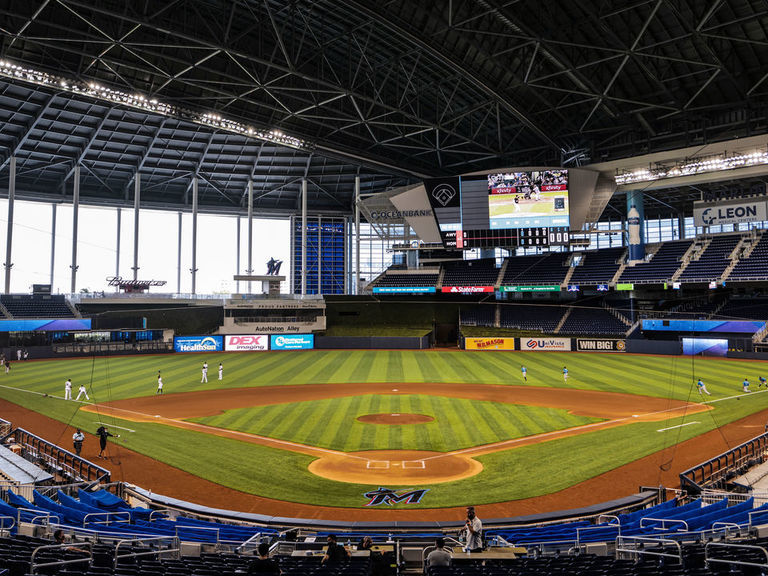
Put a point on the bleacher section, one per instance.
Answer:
(539, 318)
(753, 308)
(478, 316)
(755, 267)
(36, 306)
(592, 321)
(471, 273)
(713, 261)
(661, 267)
(394, 279)
(597, 266)
(546, 269)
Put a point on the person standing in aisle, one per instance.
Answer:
(77, 441)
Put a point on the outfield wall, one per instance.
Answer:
(372, 342)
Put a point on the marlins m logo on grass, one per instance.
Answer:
(388, 496)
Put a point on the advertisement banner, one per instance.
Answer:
(57, 324)
(600, 345)
(544, 288)
(198, 343)
(246, 342)
(716, 214)
(561, 344)
(489, 343)
(705, 346)
(403, 289)
(292, 342)
(466, 289)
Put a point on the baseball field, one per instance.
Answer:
(436, 428)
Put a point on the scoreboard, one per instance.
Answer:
(505, 210)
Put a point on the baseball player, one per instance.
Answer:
(702, 388)
(762, 382)
(81, 391)
(159, 383)
(745, 385)
(68, 389)
(524, 372)
(205, 373)
(221, 371)
(565, 374)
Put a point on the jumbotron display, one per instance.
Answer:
(502, 209)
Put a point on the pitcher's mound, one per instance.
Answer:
(395, 467)
(395, 418)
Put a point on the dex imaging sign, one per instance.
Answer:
(705, 214)
(292, 342)
(198, 343)
(246, 342)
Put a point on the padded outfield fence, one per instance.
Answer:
(715, 472)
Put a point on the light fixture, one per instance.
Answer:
(692, 166)
(139, 101)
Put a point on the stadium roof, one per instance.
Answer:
(391, 90)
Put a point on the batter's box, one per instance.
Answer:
(414, 464)
(377, 464)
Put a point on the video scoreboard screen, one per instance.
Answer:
(502, 209)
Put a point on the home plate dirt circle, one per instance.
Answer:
(395, 467)
(395, 419)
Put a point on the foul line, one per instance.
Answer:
(678, 426)
(113, 426)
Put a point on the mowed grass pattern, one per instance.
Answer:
(507, 475)
(458, 423)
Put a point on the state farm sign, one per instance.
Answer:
(244, 342)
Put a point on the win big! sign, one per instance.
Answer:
(246, 342)
(600, 345)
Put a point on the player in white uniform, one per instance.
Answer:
(221, 371)
(68, 389)
(159, 383)
(81, 391)
(205, 373)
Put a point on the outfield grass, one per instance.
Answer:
(283, 475)
(458, 423)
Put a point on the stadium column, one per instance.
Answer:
(319, 254)
(9, 231)
(303, 236)
(75, 214)
(635, 225)
(249, 271)
(356, 287)
(53, 241)
(178, 257)
(136, 201)
(194, 234)
(237, 253)
(118, 231)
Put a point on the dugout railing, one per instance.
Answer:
(56, 459)
(715, 472)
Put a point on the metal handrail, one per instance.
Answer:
(33, 567)
(2, 522)
(663, 522)
(757, 513)
(203, 528)
(47, 515)
(164, 512)
(250, 540)
(642, 540)
(600, 519)
(580, 529)
(117, 556)
(726, 526)
(708, 559)
(107, 514)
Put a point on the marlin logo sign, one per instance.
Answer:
(388, 496)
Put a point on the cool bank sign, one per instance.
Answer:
(705, 214)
